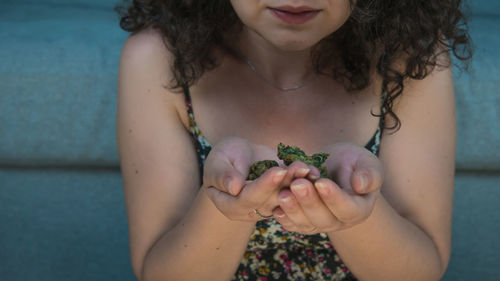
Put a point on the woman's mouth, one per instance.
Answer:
(295, 15)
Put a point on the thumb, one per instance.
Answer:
(227, 165)
(367, 175)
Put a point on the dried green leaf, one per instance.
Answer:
(259, 167)
(289, 154)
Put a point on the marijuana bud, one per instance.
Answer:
(259, 167)
(289, 154)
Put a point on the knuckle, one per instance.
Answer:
(307, 203)
(348, 216)
(305, 227)
(291, 228)
(324, 225)
(330, 200)
(346, 212)
(296, 165)
(333, 228)
(290, 207)
(222, 181)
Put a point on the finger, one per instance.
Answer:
(220, 173)
(312, 205)
(342, 205)
(297, 169)
(293, 211)
(355, 168)
(288, 225)
(228, 205)
(221, 199)
(368, 174)
(314, 174)
(258, 191)
(283, 219)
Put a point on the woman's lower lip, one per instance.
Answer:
(295, 18)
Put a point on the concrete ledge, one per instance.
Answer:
(68, 3)
(476, 224)
(58, 78)
(70, 224)
(63, 225)
(478, 100)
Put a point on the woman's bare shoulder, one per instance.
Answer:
(146, 43)
(145, 53)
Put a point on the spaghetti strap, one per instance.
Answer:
(374, 143)
(203, 146)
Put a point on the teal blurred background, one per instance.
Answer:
(62, 212)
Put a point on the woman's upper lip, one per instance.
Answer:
(292, 9)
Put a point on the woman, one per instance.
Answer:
(352, 79)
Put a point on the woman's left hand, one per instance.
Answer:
(327, 205)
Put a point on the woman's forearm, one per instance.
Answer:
(204, 244)
(388, 247)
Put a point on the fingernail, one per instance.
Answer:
(314, 177)
(303, 171)
(300, 189)
(278, 177)
(322, 188)
(285, 199)
(228, 186)
(280, 214)
(365, 180)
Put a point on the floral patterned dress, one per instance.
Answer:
(274, 253)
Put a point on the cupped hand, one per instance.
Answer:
(327, 205)
(225, 172)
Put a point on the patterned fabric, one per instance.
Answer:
(203, 147)
(274, 253)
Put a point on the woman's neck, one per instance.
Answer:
(282, 69)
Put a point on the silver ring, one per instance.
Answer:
(261, 215)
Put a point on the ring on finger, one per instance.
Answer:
(256, 212)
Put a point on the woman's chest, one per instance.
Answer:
(308, 122)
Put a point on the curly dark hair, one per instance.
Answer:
(385, 31)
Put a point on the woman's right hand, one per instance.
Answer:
(226, 170)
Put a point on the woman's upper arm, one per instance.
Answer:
(419, 159)
(158, 161)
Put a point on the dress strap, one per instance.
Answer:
(203, 147)
(374, 143)
(193, 128)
